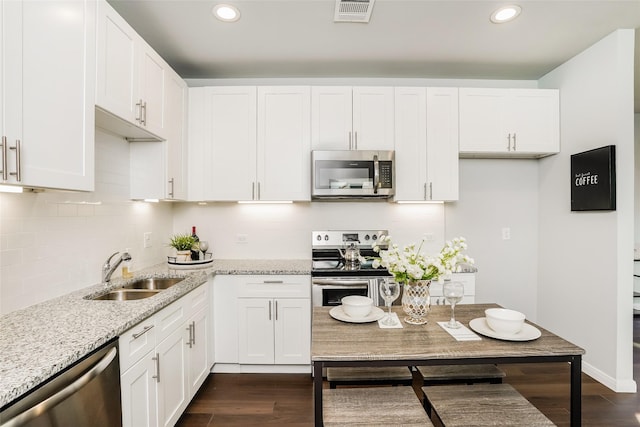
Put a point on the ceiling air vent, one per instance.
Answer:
(353, 10)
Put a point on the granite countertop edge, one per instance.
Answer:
(40, 341)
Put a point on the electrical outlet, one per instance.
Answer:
(242, 238)
(146, 239)
(506, 233)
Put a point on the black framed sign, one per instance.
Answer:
(593, 180)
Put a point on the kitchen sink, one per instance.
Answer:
(154, 283)
(127, 294)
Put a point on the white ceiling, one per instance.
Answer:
(405, 38)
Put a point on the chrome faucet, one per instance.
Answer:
(108, 269)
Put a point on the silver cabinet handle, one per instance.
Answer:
(171, 188)
(276, 309)
(269, 310)
(514, 142)
(355, 140)
(508, 142)
(258, 190)
(139, 111)
(350, 143)
(157, 375)
(425, 191)
(273, 281)
(143, 118)
(190, 342)
(18, 171)
(193, 328)
(142, 332)
(431, 191)
(42, 407)
(253, 191)
(4, 158)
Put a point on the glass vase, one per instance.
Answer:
(416, 301)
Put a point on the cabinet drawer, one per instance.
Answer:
(137, 342)
(170, 318)
(197, 299)
(272, 286)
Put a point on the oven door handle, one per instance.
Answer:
(338, 283)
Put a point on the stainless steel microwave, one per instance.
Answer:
(357, 174)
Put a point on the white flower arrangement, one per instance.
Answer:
(410, 263)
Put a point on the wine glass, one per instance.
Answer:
(204, 245)
(389, 290)
(453, 293)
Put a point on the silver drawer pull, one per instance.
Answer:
(157, 360)
(273, 281)
(142, 332)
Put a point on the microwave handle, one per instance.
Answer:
(376, 174)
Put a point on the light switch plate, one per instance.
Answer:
(146, 239)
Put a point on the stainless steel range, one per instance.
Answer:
(336, 272)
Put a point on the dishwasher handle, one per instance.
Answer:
(52, 401)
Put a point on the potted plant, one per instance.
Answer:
(182, 244)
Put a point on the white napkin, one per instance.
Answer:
(460, 334)
(394, 316)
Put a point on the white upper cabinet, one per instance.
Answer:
(426, 138)
(352, 118)
(222, 143)
(130, 79)
(284, 145)
(509, 122)
(176, 132)
(48, 94)
(248, 143)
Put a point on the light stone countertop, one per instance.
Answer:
(39, 341)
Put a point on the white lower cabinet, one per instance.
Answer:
(271, 327)
(164, 360)
(467, 279)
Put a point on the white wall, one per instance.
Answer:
(497, 194)
(51, 243)
(585, 258)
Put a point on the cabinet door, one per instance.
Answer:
(58, 93)
(175, 132)
(331, 118)
(255, 330)
(152, 83)
(373, 118)
(222, 149)
(139, 386)
(292, 331)
(173, 395)
(442, 144)
(198, 352)
(411, 143)
(283, 151)
(534, 120)
(117, 81)
(482, 120)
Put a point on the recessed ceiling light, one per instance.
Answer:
(505, 14)
(226, 12)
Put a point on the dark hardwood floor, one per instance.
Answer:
(287, 399)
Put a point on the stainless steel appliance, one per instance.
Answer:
(359, 174)
(86, 394)
(334, 275)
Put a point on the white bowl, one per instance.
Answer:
(357, 306)
(504, 321)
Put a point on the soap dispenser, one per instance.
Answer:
(126, 266)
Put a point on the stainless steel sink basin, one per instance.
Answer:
(154, 283)
(127, 294)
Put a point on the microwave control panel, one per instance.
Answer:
(386, 174)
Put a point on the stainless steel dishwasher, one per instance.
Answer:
(86, 394)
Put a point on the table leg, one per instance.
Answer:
(576, 391)
(317, 393)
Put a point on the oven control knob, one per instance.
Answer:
(374, 237)
(366, 237)
(326, 237)
(319, 237)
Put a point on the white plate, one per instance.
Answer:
(338, 314)
(527, 333)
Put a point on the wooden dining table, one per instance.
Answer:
(338, 343)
